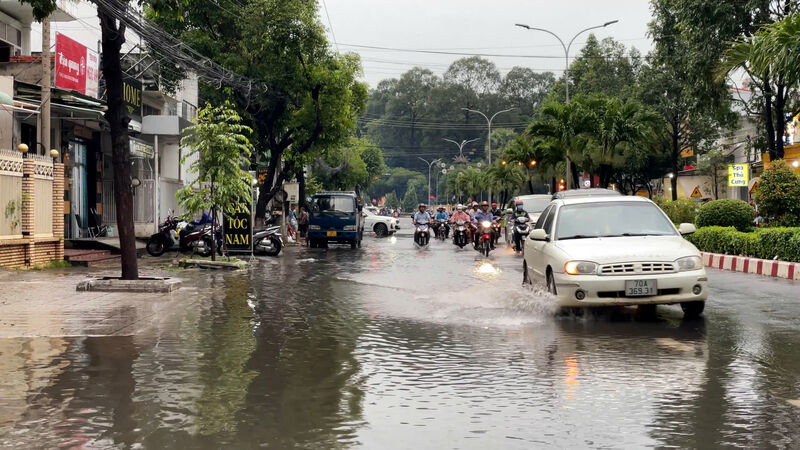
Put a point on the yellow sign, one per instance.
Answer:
(738, 175)
(687, 152)
(696, 193)
(754, 188)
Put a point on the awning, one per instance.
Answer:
(7, 103)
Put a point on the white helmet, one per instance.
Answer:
(460, 207)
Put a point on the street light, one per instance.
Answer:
(489, 137)
(461, 147)
(430, 164)
(566, 70)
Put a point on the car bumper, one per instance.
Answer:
(341, 236)
(610, 290)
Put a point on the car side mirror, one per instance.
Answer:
(538, 235)
(686, 228)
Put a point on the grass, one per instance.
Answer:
(54, 264)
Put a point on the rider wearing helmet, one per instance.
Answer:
(421, 216)
(473, 210)
(496, 211)
(483, 215)
(441, 215)
(519, 210)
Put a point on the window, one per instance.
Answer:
(540, 222)
(333, 203)
(548, 222)
(612, 219)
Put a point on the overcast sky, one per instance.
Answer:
(462, 26)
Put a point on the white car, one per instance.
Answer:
(606, 251)
(381, 225)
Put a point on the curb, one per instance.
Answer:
(765, 267)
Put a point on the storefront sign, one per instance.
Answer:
(738, 175)
(141, 149)
(237, 230)
(77, 67)
(132, 96)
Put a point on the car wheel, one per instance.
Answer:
(693, 310)
(353, 245)
(551, 283)
(526, 278)
(381, 230)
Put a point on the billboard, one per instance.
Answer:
(76, 67)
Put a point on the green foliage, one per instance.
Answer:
(12, 214)
(680, 211)
(356, 165)
(411, 199)
(765, 243)
(398, 181)
(222, 150)
(727, 213)
(392, 201)
(778, 196)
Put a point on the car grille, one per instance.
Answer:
(621, 294)
(638, 268)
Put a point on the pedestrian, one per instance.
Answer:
(292, 219)
(302, 222)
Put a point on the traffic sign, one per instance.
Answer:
(696, 193)
(738, 175)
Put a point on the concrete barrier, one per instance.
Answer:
(766, 267)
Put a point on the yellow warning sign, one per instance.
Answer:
(696, 193)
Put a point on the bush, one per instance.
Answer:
(680, 211)
(778, 196)
(727, 213)
(764, 243)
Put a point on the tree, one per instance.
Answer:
(712, 163)
(605, 67)
(392, 201)
(223, 152)
(411, 199)
(561, 125)
(778, 196)
(353, 166)
(525, 89)
(506, 179)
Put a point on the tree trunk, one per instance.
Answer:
(213, 225)
(264, 190)
(574, 169)
(301, 189)
(113, 37)
(768, 121)
(675, 154)
(780, 120)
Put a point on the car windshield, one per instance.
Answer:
(612, 219)
(535, 205)
(334, 204)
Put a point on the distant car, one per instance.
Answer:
(591, 192)
(614, 250)
(381, 225)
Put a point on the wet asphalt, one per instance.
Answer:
(396, 347)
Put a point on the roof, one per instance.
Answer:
(604, 199)
(336, 193)
(532, 196)
(593, 192)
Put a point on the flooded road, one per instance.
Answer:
(394, 347)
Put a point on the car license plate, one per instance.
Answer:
(332, 233)
(641, 288)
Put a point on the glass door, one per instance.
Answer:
(78, 189)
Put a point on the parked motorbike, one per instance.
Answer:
(175, 234)
(460, 234)
(268, 241)
(521, 231)
(485, 241)
(422, 234)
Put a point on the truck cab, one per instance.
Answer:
(335, 216)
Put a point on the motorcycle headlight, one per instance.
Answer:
(314, 227)
(689, 263)
(580, 268)
(486, 224)
(349, 228)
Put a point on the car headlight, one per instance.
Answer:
(689, 263)
(486, 224)
(580, 268)
(314, 227)
(349, 228)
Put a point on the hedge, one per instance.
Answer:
(764, 243)
(727, 213)
(679, 211)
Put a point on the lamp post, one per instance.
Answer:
(566, 72)
(489, 137)
(430, 164)
(460, 146)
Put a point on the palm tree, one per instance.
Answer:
(505, 178)
(537, 154)
(562, 125)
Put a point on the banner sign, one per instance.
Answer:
(738, 175)
(132, 96)
(237, 230)
(141, 149)
(77, 67)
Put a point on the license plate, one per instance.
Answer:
(331, 233)
(641, 288)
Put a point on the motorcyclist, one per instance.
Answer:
(496, 211)
(519, 210)
(421, 217)
(441, 215)
(474, 210)
(483, 215)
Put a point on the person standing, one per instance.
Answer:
(302, 222)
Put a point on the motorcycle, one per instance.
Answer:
(485, 241)
(521, 231)
(175, 234)
(496, 230)
(268, 241)
(441, 229)
(422, 234)
(460, 234)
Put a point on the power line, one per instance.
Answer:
(330, 24)
(495, 55)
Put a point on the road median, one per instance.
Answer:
(756, 266)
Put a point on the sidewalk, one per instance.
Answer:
(766, 267)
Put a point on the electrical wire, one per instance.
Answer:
(330, 24)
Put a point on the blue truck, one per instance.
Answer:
(335, 216)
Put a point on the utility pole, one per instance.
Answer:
(430, 164)
(566, 47)
(44, 110)
(460, 146)
(489, 137)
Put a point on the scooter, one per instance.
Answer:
(268, 241)
(496, 230)
(441, 229)
(174, 234)
(521, 231)
(422, 234)
(485, 241)
(460, 234)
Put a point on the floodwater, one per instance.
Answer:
(395, 347)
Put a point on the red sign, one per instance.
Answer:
(77, 67)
